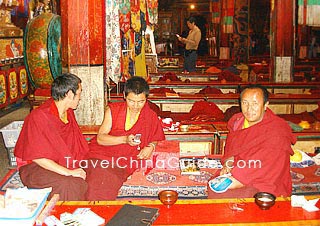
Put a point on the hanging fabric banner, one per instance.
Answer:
(124, 10)
(125, 24)
(308, 12)
(313, 12)
(113, 41)
(140, 58)
(143, 12)
(152, 11)
(215, 10)
(135, 15)
(227, 16)
(302, 12)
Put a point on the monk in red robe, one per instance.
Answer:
(116, 152)
(52, 144)
(258, 149)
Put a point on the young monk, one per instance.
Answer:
(258, 149)
(51, 139)
(116, 144)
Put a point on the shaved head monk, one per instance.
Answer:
(257, 150)
(127, 137)
(50, 138)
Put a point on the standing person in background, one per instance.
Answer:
(313, 48)
(192, 43)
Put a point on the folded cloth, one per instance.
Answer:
(206, 108)
(316, 159)
(306, 161)
(210, 90)
(213, 69)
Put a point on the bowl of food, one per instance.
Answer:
(264, 200)
(168, 197)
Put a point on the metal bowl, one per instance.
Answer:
(264, 200)
(168, 197)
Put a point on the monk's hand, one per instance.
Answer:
(145, 152)
(78, 173)
(130, 140)
(225, 170)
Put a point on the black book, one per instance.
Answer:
(132, 215)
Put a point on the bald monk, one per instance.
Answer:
(50, 141)
(258, 149)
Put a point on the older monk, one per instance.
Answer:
(258, 149)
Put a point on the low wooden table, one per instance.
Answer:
(206, 212)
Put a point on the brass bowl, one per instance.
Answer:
(168, 197)
(264, 200)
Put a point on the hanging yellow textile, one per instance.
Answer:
(135, 15)
(140, 62)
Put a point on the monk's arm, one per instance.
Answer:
(227, 166)
(235, 183)
(147, 151)
(104, 138)
(51, 165)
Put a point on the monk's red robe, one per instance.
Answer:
(268, 142)
(44, 135)
(104, 183)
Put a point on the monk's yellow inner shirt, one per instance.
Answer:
(245, 124)
(128, 124)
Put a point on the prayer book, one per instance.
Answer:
(132, 215)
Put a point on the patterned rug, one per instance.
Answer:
(312, 188)
(126, 191)
(12, 180)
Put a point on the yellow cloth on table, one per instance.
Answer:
(296, 157)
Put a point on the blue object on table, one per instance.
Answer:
(220, 184)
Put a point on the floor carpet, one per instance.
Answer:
(309, 185)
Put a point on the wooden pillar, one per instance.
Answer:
(82, 54)
(282, 40)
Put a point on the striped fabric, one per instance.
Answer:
(308, 12)
(113, 41)
(227, 16)
(215, 6)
